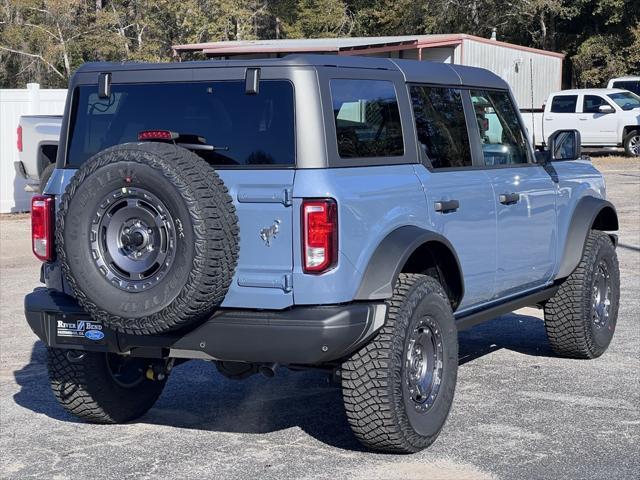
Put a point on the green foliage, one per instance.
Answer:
(46, 40)
(596, 61)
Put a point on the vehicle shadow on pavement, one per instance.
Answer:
(520, 333)
(198, 397)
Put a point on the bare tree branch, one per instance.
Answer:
(51, 34)
(35, 55)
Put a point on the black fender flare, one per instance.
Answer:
(390, 256)
(590, 212)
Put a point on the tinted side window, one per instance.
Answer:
(235, 129)
(564, 103)
(631, 85)
(592, 103)
(441, 127)
(367, 118)
(503, 139)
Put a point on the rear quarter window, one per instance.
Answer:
(235, 129)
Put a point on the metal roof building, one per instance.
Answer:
(527, 70)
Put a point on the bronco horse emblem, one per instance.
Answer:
(267, 233)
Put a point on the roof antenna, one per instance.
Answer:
(533, 117)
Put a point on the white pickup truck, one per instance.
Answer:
(37, 143)
(605, 118)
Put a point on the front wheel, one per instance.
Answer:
(103, 387)
(399, 388)
(580, 318)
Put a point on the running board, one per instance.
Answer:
(471, 319)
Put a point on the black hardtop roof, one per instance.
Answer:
(413, 70)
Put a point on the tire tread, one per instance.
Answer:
(567, 315)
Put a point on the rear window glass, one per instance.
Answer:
(223, 124)
(564, 103)
(367, 118)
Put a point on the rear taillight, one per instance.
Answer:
(42, 227)
(319, 235)
(19, 138)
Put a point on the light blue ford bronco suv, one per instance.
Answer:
(344, 214)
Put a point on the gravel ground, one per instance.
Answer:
(519, 412)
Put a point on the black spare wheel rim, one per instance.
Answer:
(147, 237)
(424, 363)
(133, 239)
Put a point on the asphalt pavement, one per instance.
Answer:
(519, 411)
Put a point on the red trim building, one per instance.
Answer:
(530, 72)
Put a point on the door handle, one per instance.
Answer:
(509, 198)
(446, 206)
(583, 118)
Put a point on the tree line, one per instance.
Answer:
(44, 41)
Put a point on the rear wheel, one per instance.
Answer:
(46, 175)
(103, 387)
(580, 318)
(399, 388)
(632, 144)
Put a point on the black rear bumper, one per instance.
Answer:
(299, 335)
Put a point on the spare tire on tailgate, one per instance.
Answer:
(147, 236)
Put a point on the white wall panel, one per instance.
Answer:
(515, 67)
(13, 103)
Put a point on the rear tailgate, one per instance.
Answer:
(263, 277)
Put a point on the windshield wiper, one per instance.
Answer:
(199, 146)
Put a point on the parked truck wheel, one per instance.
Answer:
(580, 318)
(147, 236)
(632, 144)
(102, 387)
(46, 175)
(399, 388)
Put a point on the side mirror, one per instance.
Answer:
(565, 145)
(606, 109)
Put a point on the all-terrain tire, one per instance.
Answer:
(375, 387)
(196, 225)
(84, 385)
(631, 143)
(45, 176)
(571, 319)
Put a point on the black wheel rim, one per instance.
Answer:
(601, 296)
(127, 372)
(133, 239)
(424, 364)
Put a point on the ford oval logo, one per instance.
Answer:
(94, 335)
